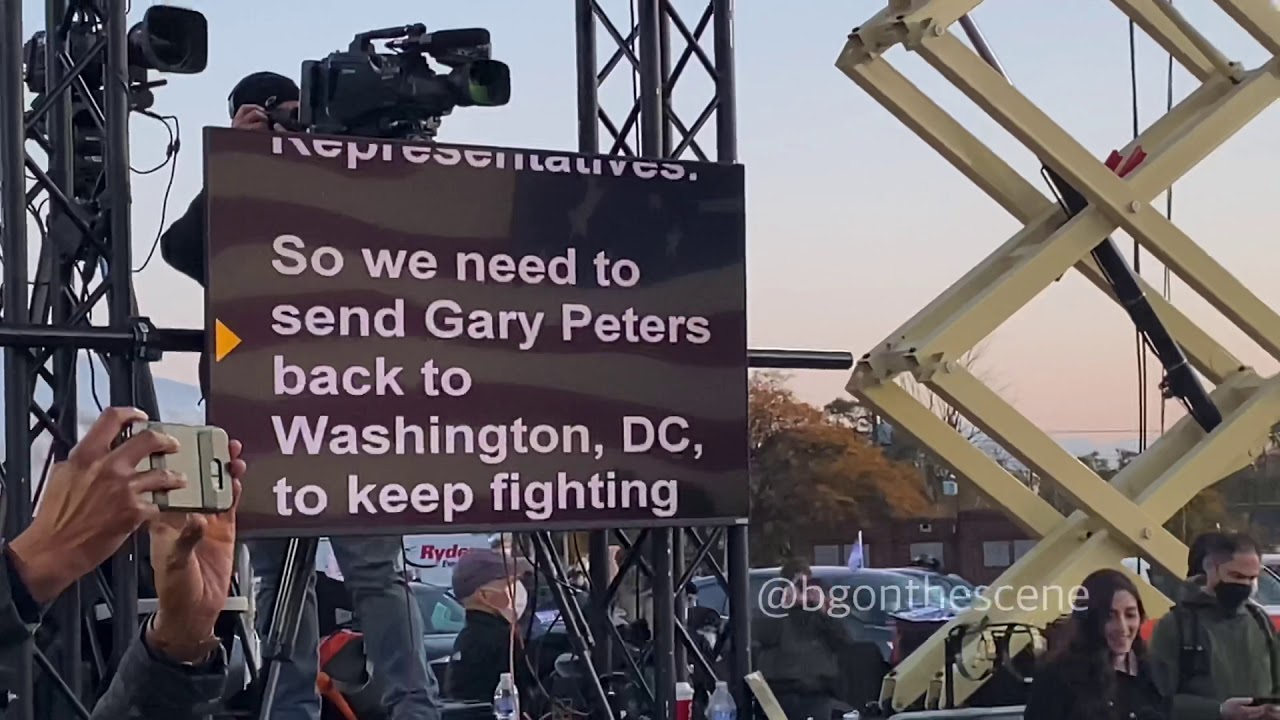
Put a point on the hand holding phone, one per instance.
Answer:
(203, 456)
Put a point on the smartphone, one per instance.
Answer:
(204, 456)
(1260, 701)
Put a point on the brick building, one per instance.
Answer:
(978, 545)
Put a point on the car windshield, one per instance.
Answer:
(441, 614)
(873, 595)
(957, 593)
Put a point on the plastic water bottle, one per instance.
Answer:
(506, 703)
(721, 705)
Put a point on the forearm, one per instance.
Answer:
(149, 687)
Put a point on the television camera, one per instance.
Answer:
(167, 40)
(397, 94)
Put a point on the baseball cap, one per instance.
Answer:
(261, 88)
(481, 567)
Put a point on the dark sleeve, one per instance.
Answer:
(182, 245)
(19, 614)
(1049, 699)
(148, 687)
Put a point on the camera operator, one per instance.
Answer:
(385, 609)
(176, 668)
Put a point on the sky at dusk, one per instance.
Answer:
(853, 222)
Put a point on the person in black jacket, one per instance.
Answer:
(797, 644)
(176, 668)
(1098, 667)
(487, 584)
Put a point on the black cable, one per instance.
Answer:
(1168, 212)
(171, 159)
(1140, 340)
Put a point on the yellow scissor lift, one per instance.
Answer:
(1125, 517)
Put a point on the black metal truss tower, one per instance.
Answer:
(77, 198)
(655, 46)
(64, 172)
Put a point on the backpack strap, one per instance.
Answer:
(1268, 632)
(1264, 620)
(1191, 652)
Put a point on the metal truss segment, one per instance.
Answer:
(1205, 354)
(913, 108)
(1015, 193)
(1126, 516)
(1156, 24)
(1030, 511)
(1042, 454)
(1081, 543)
(1259, 19)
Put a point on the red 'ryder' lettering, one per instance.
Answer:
(439, 554)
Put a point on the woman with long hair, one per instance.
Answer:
(1097, 667)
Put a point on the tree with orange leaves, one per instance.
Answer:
(811, 472)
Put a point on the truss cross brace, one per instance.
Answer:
(1126, 516)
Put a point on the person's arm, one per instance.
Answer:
(183, 244)
(176, 668)
(1166, 652)
(19, 614)
(148, 686)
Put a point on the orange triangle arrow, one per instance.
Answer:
(224, 341)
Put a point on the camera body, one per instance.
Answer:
(397, 94)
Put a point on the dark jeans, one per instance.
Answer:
(388, 616)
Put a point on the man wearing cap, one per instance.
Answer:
(488, 585)
(372, 567)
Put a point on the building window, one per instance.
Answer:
(827, 555)
(1022, 547)
(928, 549)
(996, 554)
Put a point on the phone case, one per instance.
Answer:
(204, 456)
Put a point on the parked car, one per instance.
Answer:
(958, 591)
(442, 618)
(869, 597)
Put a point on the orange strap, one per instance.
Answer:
(324, 684)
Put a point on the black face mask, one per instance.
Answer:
(1232, 595)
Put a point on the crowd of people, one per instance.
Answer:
(1214, 656)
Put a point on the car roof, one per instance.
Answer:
(819, 571)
